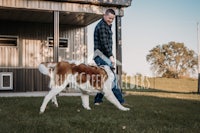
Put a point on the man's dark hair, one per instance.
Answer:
(110, 11)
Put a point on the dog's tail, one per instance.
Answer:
(45, 68)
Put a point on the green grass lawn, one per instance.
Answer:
(147, 114)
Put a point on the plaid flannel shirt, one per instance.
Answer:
(103, 38)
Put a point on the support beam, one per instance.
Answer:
(198, 46)
(55, 35)
(198, 89)
(118, 48)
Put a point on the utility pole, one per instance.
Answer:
(198, 91)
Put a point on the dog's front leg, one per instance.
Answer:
(85, 101)
(54, 100)
(52, 93)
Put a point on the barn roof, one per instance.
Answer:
(75, 12)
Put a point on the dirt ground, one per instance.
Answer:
(167, 95)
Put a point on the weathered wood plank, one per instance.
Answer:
(33, 46)
(101, 2)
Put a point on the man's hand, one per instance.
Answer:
(112, 60)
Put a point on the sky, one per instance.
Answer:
(148, 23)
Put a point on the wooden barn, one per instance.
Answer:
(34, 31)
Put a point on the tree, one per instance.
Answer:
(172, 60)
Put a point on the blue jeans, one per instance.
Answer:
(117, 92)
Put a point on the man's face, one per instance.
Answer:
(109, 18)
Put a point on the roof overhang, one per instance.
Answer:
(114, 3)
(71, 12)
(69, 18)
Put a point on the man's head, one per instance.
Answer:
(109, 16)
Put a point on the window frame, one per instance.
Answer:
(12, 38)
(60, 39)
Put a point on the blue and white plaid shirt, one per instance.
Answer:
(103, 38)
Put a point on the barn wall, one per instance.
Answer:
(32, 49)
(27, 80)
(33, 44)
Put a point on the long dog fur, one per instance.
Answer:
(86, 77)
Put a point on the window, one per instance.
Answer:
(8, 40)
(63, 42)
(6, 80)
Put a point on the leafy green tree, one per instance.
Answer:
(172, 60)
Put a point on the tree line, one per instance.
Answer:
(172, 60)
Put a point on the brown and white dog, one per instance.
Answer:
(87, 78)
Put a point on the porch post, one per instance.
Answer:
(55, 35)
(118, 48)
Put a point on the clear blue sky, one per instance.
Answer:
(147, 23)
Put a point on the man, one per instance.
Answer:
(103, 43)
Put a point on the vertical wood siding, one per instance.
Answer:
(33, 45)
(27, 80)
(32, 49)
(9, 56)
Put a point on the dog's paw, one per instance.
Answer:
(42, 110)
(88, 108)
(125, 109)
(55, 105)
